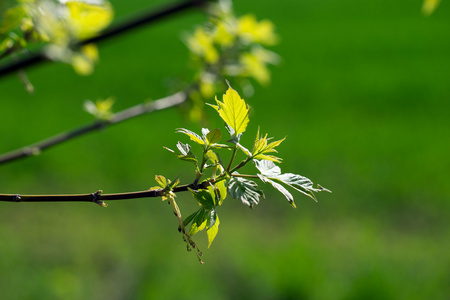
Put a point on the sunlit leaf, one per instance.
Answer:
(262, 147)
(233, 110)
(161, 180)
(429, 6)
(201, 44)
(199, 221)
(272, 174)
(12, 18)
(213, 226)
(244, 190)
(88, 19)
(192, 135)
(257, 32)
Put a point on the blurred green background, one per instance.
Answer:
(362, 95)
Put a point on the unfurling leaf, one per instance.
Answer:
(272, 174)
(161, 180)
(262, 146)
(244, 190)
(233, 110)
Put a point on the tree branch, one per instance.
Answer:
(132, 23)
(161, 104)
(98, 196)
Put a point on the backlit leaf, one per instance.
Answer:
(192, 135)
(213, 226)
(199, 222)
(262, 147)
(272, 174)
(233, 110)
(244, 190)
(429, 6)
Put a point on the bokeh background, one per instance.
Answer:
(362, 94)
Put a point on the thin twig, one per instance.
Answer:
(161, 104)
(113, 31)
(98, 196)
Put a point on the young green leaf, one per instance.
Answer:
(213, 137)
(261, 148)
(199, 222)
(161, 180)
(213, 226)
(233, 110)
(244, 190)
(204, 197)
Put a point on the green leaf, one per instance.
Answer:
(204, 197)
(429, 6)
(244, 190)
(271, 173)
(161, 180)
(233, 110)
(13, 18)
(192, 135)
(262, 147)
(280, 188)
(191, 217)
(199, 222)
(213, 227)
(218, 192)
(213, 136)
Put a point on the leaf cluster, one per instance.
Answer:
(210, 189)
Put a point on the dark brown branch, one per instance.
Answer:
(113, 31)
(161, 104)
(97, 196)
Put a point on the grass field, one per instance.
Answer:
(362, 96)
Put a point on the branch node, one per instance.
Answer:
(95, 197)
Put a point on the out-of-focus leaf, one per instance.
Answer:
(87, 19)
(429, 6)
(244, 190)
(13, 17)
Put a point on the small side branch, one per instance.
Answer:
(133, 23)
(144, 108)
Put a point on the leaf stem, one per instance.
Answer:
(231, 159)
